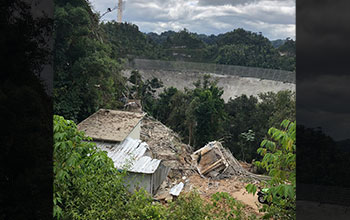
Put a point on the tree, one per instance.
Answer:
(243, 115)
(277, 106)
(144, 90)
(126, 40)
(86, 76)
(279, 160)
(86, 184)
(209, 113)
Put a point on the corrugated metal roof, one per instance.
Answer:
(130, 155)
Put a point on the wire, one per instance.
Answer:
(109, 10)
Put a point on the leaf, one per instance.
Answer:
(251, 188)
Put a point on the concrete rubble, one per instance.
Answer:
(166, 145)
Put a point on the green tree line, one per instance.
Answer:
(237, 47)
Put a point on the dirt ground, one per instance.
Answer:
(234, 186)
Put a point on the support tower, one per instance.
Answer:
(120, 9)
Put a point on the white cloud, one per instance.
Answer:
(274, 18)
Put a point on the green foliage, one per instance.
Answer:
(221, 206)
(197, 114)
(209, 113)
(145, 91)
(247, 113)
(86, 75)
(238, 47)
(279, 159)
(127, 40)
(86, 184)
(200, 115)
(187, 207)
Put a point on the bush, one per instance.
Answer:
(279, 160)
(86, 184)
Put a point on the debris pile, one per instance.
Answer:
(166, 145)
(216, 162)
(209, 170)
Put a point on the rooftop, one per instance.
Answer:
(110, 125)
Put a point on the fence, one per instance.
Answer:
(261, 73)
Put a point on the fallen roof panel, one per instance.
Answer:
(130, 155)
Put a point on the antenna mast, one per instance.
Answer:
(120, 8)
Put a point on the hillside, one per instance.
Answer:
(237, 47)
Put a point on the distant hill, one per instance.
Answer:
(237, 47)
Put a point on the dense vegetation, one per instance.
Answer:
(87, 73)
(279, 159)
(238, 47)
(87, 186)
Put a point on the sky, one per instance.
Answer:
(275, 19)
(323, 79)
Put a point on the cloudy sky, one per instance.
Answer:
(274, 18)
(323, 79)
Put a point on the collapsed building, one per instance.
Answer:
(217, 162)
(157, 160)
(118, 133)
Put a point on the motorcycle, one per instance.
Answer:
(261, 196)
